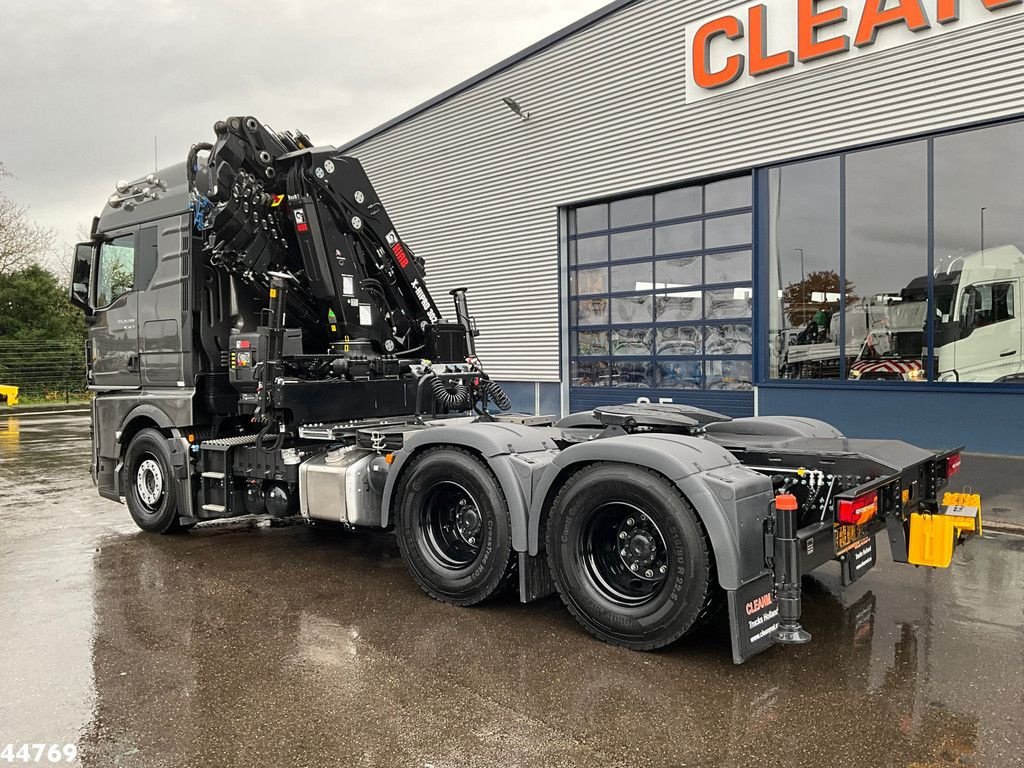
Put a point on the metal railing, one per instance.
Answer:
(44, 371)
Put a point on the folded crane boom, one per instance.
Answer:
(271, 202)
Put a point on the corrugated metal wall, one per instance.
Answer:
(476, 191)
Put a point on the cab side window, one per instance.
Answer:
(993, 303)
(115, 271)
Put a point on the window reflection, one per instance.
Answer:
(590, 343)
(632, 342)
(876, 324)
(680, 340)
(729, 340)
(589, 373)
(632, 309)
(979, 255)
(591, 312)
(679, 306)
(638, 375)
(115, 274)
(673, 374)
(633, 277)
(729, 303)
(729, 374)
(641, 314)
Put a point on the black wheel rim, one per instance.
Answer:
(622, 554)
(451, 526)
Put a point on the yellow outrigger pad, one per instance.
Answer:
(10, 394)
(934, 537)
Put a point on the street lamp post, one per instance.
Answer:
(803, 283)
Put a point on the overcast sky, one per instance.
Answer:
(87, 84)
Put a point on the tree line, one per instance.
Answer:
(42, 337)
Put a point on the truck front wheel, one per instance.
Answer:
(150, 488)
(629, 557)
(453, 527)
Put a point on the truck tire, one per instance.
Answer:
(629, 556)
(453, 527)
(150, 488)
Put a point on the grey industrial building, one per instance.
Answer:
(790, 206)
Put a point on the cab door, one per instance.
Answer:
(990, 348)
(114, 329)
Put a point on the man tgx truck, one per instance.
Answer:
(262, 340)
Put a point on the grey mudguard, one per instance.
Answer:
(512, 451)
(732, 501)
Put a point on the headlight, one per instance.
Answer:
(854, 375)
(917, 374)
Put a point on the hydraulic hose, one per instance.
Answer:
(190, 163)
(269, 440)
(497, 395)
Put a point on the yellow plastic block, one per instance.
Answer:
(10, 394)
(931, 540)
(965, 508)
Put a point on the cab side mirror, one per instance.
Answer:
(81, 272)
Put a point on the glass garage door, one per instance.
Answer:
(661, 298)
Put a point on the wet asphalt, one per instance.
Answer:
(242, 645)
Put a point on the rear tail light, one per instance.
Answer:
(952, 465)
(859, 510)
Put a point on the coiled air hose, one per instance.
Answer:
(497, 395)
(455, 399)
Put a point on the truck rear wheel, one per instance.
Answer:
(629, 556)
(453, 527)
(150, 488)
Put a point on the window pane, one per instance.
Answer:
(589, 373)
(728, 194)
(803, 266)
(726, 231)
(677, 203)
(633, 277)
(886, 248)
(592, 218)
(979, 239)
(678, 238)
(680, 340)
(147, 258)
(729, 303)
(728, 267)
(584, 281)
(591, 312)
(632, 309)
(633, 374)
(632, 342)
(588, 250)
(115, 273)
(634, 210)
(729, 340)
(728, 374)
(590, 343)
(631, 245)
(679, 306)
(679, 374)
(678, 273)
